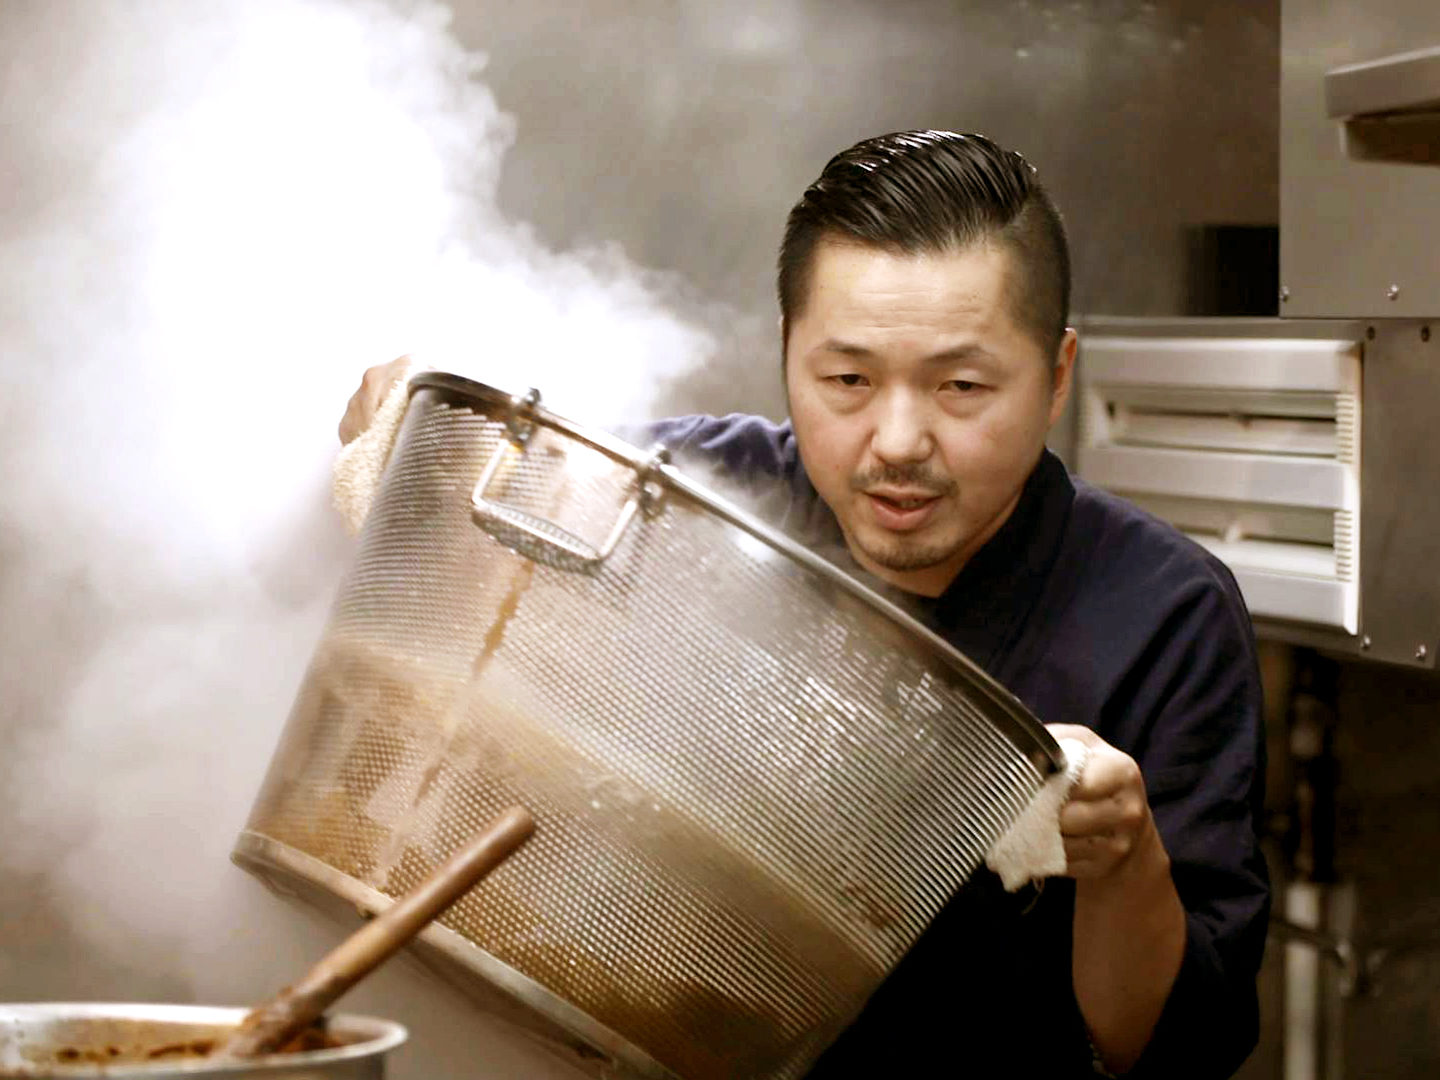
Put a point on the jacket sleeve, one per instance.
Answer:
(739, 445)
(1193, 721)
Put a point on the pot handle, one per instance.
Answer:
(543, 541)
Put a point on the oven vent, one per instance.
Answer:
(1249, 446)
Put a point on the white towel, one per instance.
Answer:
(1032, 847)
(361, 462)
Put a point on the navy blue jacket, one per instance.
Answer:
(1091, 612)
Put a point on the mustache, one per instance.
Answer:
(914, 477)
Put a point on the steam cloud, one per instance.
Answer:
(217, 216)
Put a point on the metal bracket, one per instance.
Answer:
(1406, 82)
(520, 417)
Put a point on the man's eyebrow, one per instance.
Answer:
(845, 348)
(968, 351)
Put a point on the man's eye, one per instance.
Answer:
(963, 386)
(850, 378)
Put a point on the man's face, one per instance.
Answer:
(920, 407)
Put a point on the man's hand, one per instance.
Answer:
(1106, 821)
(1129, 926)
(366, 401)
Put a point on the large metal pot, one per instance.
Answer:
(756, 781)
(138, 1042)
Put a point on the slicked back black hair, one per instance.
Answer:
(929, 192)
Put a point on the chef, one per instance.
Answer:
(924, 283)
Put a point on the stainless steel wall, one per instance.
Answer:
(1360, 198)
(685, 131)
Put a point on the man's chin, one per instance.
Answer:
(905, 558)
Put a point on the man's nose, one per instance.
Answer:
(902, 432)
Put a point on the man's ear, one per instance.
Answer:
(1062, 376)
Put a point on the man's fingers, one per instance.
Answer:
(375, 386)
(1074, 731)
(1107, 813)
(1096, 854)
(358, 413)
(1121, 812)
(1106, 772)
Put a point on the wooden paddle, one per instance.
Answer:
(271, 1025)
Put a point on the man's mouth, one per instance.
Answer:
(911, 502)
(901, 511)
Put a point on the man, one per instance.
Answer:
(924, 286)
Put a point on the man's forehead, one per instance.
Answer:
(963, 305)
(876, 286)
(844, 266)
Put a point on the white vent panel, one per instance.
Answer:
(1250, 446)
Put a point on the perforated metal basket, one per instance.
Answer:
(756, 781)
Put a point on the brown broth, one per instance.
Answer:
(312, 1038)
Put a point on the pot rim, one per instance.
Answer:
(374, 1036)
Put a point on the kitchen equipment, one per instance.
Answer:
(1248, 433)
(273, 1024)
(65, 1039)
(1359, 145)
(756, 780)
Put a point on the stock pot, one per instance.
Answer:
(166, 1042)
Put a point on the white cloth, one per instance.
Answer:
(361, 462)
(1032, 847)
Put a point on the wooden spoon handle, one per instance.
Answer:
(269, 1026)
